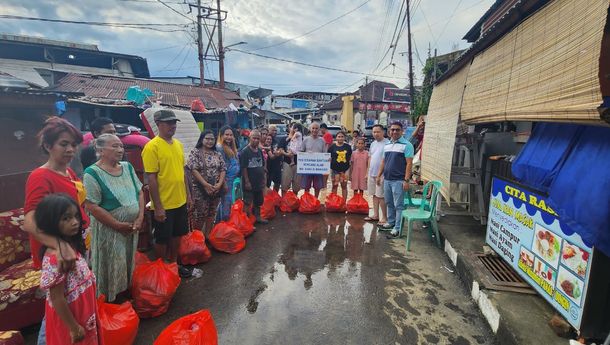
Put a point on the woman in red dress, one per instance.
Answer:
(59, 140)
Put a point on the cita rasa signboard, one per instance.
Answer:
(529, 235)
(396, 95)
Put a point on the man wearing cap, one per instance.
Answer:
(163, 159)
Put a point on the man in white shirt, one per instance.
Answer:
(375, 190)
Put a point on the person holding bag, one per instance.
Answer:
(207, 181)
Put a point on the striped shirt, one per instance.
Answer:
(394, 154)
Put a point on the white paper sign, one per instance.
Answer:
(313, 163)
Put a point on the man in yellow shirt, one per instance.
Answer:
(163, 159)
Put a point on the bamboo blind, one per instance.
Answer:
(441, 125)
(546, 69)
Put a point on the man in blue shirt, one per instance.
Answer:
(396, 171)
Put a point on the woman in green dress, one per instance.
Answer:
(116, 205)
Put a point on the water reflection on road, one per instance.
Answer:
(317, 282)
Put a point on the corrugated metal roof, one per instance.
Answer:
(109, 87)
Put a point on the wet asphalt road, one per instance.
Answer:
(329, 279)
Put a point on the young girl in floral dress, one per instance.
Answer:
(359, 167)
(70, 308)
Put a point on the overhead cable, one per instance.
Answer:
(312, 65)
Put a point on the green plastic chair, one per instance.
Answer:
(410, 201)
(425, 213)
(236, 191)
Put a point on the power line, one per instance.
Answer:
(315, 29)
(447, 22)
(176, 11)
(153, 1)
(108, 24)
(312, 65)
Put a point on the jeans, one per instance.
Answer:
(394, 198)
(42, 334)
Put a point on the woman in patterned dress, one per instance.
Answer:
(228, 150)
(207, 181)
(116, 204)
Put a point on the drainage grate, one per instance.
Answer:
(496, 274)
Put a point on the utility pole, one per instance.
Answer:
(435, 64)
(200, 45)
(221, 50)
(411, 87)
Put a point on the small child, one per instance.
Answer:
(359, 167)
(340, 157)
(295, 143)
(70, 308)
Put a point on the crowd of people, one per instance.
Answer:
(83, 233)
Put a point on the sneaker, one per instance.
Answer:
(184, 272)
(386, 226)
(393, 234)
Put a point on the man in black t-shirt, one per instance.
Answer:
(99, 126)
(274, 165)
(253, 175)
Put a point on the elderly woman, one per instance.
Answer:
(59, 141)
(208, 172)
(116, 204)
(228, 150)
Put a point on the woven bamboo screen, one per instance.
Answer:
(441, 124)
(546, 69)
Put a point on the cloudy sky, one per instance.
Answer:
(356, 42)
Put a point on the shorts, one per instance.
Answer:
(253, 196)
(275, 176)
(311, 180)
(338, 177)
(175, 225)
(290, 178)
(374, 189)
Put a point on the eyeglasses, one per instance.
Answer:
(394, 129)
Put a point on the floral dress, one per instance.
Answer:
(232, 168)
(112, 253)
(210, 165)
(79, 292)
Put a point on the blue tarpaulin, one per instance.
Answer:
(571, 163)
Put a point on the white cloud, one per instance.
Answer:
(352, 43)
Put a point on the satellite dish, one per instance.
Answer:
(259, 93)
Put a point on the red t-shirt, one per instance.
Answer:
(42, 182)
(328, 138)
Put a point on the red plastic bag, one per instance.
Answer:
(275, 197)
(334, 203)
(153, 287)
(268, 208)
(358, 204)
(289, 202)
(193, 329)
(309, 204)
(239, 219)
(141, 258)
(192, 249)
(197, 105)
(119, 322)
(226, 238)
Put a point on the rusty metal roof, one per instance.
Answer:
(114, 88)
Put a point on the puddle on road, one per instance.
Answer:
(319, 255)
(316, 282)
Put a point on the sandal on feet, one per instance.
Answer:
(371, 219)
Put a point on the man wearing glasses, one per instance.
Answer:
(396, 171)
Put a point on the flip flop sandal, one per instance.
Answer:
(369, 219)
